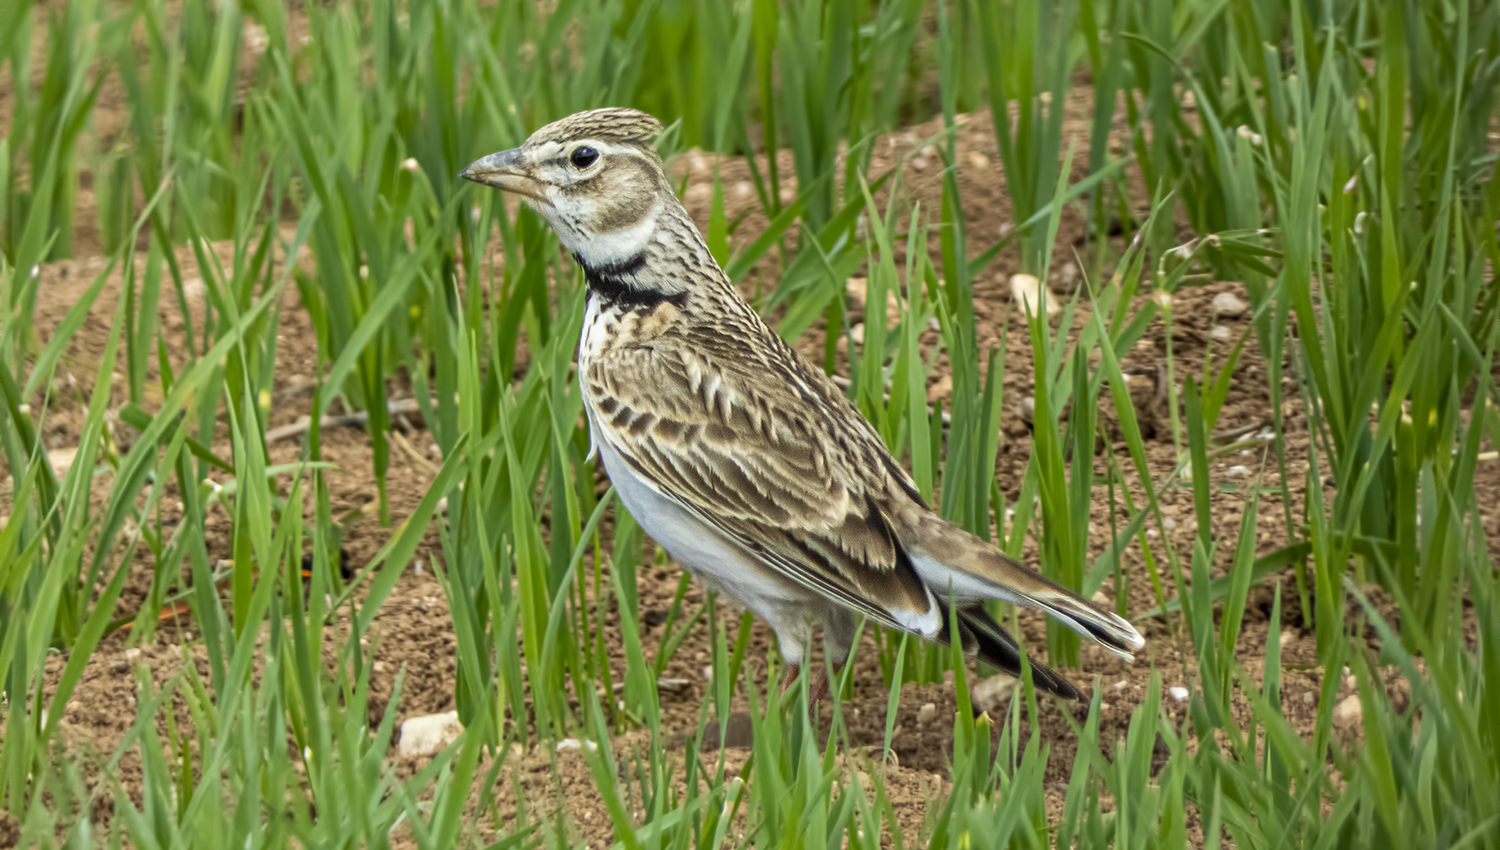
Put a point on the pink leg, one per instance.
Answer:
(791, 676)
(819, 689)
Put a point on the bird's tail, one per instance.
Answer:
(958, 566)
(984, 639)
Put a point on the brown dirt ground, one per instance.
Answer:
(414, 630)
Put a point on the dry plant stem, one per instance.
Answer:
(304, 423)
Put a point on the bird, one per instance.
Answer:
(749, 466)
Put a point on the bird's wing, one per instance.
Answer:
(759, 449)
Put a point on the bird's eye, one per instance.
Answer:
(584, 156)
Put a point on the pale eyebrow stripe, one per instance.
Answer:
(604, 148)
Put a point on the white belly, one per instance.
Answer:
(721, 564)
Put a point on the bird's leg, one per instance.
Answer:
(819, 689)
(791, 676)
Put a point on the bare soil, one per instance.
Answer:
(414, 632)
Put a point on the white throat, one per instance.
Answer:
(617, 246)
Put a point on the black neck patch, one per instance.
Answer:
(611, 282)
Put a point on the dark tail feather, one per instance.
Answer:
(983, 638)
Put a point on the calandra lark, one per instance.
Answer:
(751, 467)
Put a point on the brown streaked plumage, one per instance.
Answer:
(750, 467)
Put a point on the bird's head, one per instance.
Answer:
(594, 176)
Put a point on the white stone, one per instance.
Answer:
(1347, 714)
(991, 694)
(1178, 693)
(1228, 304)
(429, 734)
(1026, 291)
(1237, 471)
(568, 744)
(926, 713)
(1219, 332)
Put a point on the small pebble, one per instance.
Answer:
(429, 734)
(1237, 471)
(1178, 693)
(1026, 291)
(567, 744)
(992, 693)
(1219, 332)
(926, 713)
(1228, 304)
(1347, 714)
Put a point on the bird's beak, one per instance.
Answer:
(504, 170)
